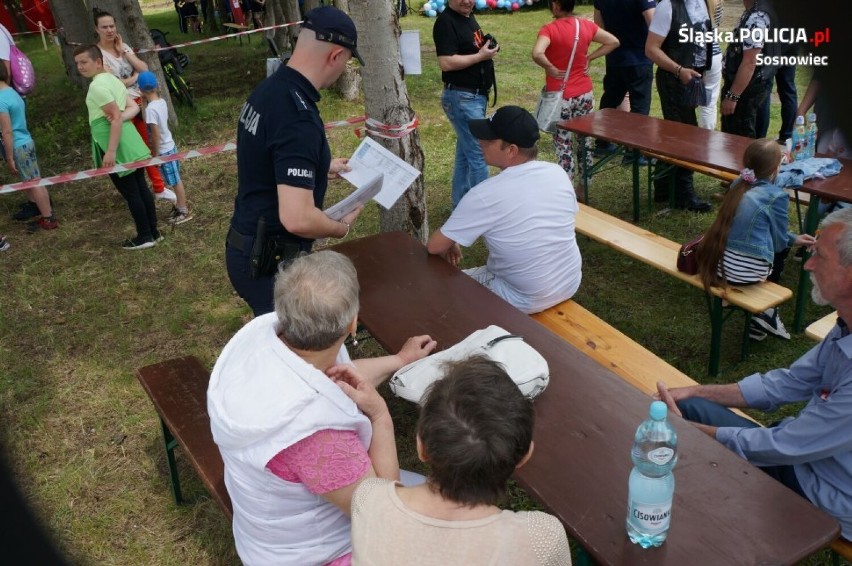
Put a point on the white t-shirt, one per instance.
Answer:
(6, 42)
(661, 23)
(158, 113)
(526, 216)
(121, 68)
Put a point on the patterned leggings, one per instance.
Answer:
(563, 140)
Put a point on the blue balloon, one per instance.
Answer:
(441, 7)
(431, 13)
(480, 4)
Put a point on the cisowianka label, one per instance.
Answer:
(652, 519)
(661, 455)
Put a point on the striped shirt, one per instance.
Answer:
(741, 269)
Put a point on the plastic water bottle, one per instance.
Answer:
(800, 139)
(651, 484)
(811, 130)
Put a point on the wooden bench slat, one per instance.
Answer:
(661, 253)
(611, 348)
(178, 389)
(819, 330)
(842, 547)
(703, 169)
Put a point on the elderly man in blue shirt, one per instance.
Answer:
(810, 453)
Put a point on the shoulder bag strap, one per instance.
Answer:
(573, 52)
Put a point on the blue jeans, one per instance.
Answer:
(702, 411)
(470, 168)
(785, 81)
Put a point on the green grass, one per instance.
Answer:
(79, 314)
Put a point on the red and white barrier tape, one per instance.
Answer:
(92, 173)
(216, 38)
(345, 123)
(372, 126)
(386, 131)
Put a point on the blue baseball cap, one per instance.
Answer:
(334, 26)
(147, 81)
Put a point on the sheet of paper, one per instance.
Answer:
(409, 51)
(357, 198)
(369, 158)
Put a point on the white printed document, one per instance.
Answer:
(357, 198)
(371, 159)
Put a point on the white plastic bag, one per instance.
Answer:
(527, 368)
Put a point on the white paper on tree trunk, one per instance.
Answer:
(409, 51)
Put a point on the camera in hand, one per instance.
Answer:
(492, 42)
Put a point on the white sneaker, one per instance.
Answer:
(167, 194)
(771, 324)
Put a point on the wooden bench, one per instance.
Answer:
(819, 330)
(612, 349)
(841, 548)
(178, 389)
(661, 253)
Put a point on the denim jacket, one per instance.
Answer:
(761, 223)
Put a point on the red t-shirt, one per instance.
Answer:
(561, 33)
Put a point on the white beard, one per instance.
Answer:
(816, 292)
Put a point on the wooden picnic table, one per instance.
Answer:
(681, 142)
(725, 511)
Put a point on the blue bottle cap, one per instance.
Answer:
(658, 411)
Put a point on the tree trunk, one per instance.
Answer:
(208, 14)
(349, 83)
(74, 22)
(309, 5)
(134, 32)
(386, 100)
(279, 12)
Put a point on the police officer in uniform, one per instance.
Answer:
(284, 161)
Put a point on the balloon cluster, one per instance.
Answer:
(434, 7)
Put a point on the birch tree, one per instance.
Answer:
(386, 100)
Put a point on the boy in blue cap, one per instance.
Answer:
(161, 143)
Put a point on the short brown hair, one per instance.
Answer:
(93, 51)
(475, 427)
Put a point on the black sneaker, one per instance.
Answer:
(138, 243)
(694, 204)
(628, 160)
(603, 148)
(27, 211)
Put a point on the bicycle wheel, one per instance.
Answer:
(184, 93)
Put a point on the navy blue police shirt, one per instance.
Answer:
(280, 141)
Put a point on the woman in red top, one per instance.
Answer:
(552, 51)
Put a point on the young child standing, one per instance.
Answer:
(750, 237)
(20, 153)
(475, 429)
(161, 143)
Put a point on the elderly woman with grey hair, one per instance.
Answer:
(294, 417)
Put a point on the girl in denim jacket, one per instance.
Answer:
(750, 238)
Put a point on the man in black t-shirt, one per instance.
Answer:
(467, 71)
(284, 162)
(628, 69)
